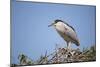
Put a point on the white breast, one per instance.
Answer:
(59, 27)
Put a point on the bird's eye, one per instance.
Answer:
(55, 22)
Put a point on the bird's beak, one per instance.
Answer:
(51, 25)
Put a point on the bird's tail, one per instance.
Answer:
(77, 43)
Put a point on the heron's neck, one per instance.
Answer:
(59, 28)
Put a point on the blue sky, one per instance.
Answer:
(31, 34)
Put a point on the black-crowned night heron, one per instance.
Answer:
(66, 31)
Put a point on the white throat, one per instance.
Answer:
(59, 26)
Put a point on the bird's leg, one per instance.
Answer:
(69, 46)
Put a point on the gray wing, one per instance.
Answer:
(69, 26)
(71, 34)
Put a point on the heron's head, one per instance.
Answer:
(56, 22)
